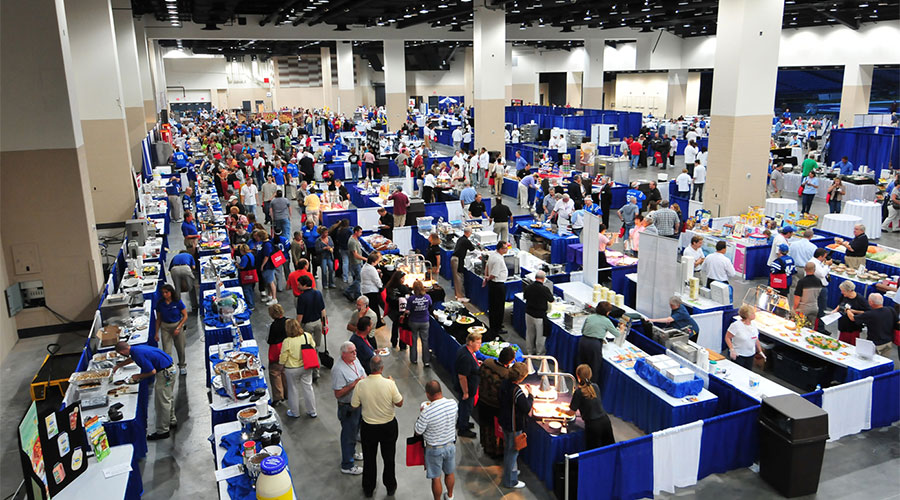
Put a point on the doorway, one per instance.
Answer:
(556, 88)
(379, 94)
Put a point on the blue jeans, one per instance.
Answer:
(628, 228)
(285, 226)
(510, 475)
(634, 160)
(352, 290)
(248, 294)
(807, 202)
(327, 272)
(349, 418)
(465, 411)
(354, 171)
(834, 206)
(345, 264)
(440, 460)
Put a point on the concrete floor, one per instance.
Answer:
(860, 466)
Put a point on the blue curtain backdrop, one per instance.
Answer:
(866, 146)
(574, 118)
(620, 471)
(729, 442)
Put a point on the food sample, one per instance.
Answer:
(226, 367)
(477, 330)
(823, 342)
(80, 378)
(548, 410)
(465, 320)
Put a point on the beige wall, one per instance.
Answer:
(308, 97)
(395, 105)
(524, 91)
(642, 92)
(573, 88)
(8, 335)
(609, 90)
(149, 115)
(692, 102)
(854, 101)
(134, 120)
(63, 231)
(235, 97)
(109, 166)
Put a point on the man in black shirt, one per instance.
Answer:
(468, 377)
(457, 262)
(537, 298)
(653, 194)
(307, 167)
(500, 215)
(880, 322)
(857, 248)
(386, 224)
(477, 208)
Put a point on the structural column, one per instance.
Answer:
(47, 228)
(363, 88)
(469, 76)
(744, 77)
(395, 83)
(158, 76)
(592, 93)
(489, 44)
(327, 89)
(100, 106)
(347, 101)
(126, 47)
(643, 49)
(146, 77)
(676, 99)
(856, 92)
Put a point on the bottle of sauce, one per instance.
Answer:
(274, 482)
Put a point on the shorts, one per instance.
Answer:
(268, 276)
(440, 459)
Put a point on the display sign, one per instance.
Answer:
(54, 442)
(30, 444)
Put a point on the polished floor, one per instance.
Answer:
(861, 466)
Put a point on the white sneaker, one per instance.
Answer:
(519, 485)
(355, 470)
(358, 456)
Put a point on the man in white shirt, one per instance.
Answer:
(457, 137)
(249, 196)
(459, 160)
(495, 274)
(683, 182)
(803, 249)
(426, 134)
(699, 180)
(691, 135)
(690, 156)
(717, 266)
(467, 139)
(473, 170)
(347, 372)
(694, 250)
(437, 425)
(516, 135)
(673, 147)
(560, 146)
(483, 160)
(564, 209)
(781, 238)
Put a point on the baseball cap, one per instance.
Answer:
(787, 229)
(783, 248)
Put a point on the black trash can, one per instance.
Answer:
(792, 435)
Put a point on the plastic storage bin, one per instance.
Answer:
(792, 435)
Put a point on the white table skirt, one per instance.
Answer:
(870, 214)
(841, 224)
(779, 205)
(854, 191)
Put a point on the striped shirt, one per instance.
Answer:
(437, 422)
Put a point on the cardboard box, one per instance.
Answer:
(109, 335)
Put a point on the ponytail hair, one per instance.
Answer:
(584, 373)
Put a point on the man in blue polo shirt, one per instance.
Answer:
(845, 166)
(190, 233)
(467, 195)
(154, 362)
(182, 269)
(521, 164)
(187, 201)
(173, 190)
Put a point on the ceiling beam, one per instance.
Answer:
(437, 16)
(332, 9)
(277, 12)
(847, 21)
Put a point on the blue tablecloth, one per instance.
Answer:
(510, 188)
(627, 399)
(545, 449)
(558, 244)
(134, 431)
(443, 346)
(479, 296)
(240, 487)
(211, 318)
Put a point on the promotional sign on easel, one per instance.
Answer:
(53, 449)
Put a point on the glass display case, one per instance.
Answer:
(765, 298)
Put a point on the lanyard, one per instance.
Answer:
(353, 365)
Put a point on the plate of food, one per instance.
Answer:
(554, 315)
(480, 330)
(554, 425)
(536, 225)
(384, 351)
(465, 320)
(823, 342)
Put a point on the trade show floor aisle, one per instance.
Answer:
(182, 467)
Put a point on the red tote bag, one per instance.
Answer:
(415, 451)
(309, 354)
(278, 259)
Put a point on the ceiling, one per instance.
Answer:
(682, 17)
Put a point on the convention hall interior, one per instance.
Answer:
(449, 249)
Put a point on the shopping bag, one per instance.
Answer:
(309, 354)
(278, 259)
(405, 336)
(415, 451)
(778, 281)
(248, 277)
(896, 337)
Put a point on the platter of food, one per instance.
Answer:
(479, 330)
(227, 366)
(823, 342)
(384, 351)
(465, 320)
(90, 376)
(554, 315)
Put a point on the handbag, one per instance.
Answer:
(897, 337)
(828, 197)
(405, 335)
(278, 259)
(415, 451)
(778, 280)
(248, 277)
(309, 355)
(800, 191)
(521, 439)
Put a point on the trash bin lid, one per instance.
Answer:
(795, 417)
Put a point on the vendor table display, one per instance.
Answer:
(880, 259)
(557, 241)
(228, 443)
(870, 214)
(217, 329)
(859, 190)
(377, 242)
(123, 481)
(780, 206)
(214, 241)
(447, 333)
(245, 384)
(864, 282)
(842, 224)
(849, 366)
(218, 267)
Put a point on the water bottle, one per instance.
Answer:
(236, 336)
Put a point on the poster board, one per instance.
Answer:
(658, 271)
(591, 249)
(54, 449)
